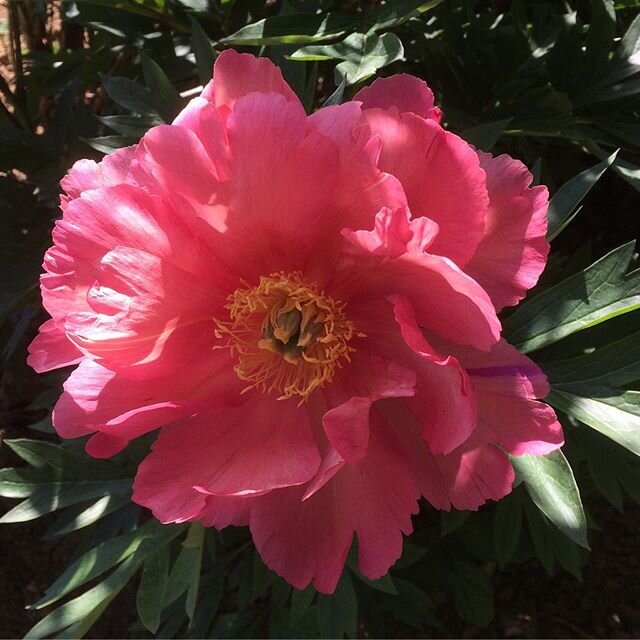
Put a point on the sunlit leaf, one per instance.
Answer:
(600, 292)
(551, 485)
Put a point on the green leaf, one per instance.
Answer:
(298, 28)
(153, 584)
(367, 54)
(129, 95)
(133, 126)
(612, 365)
(507, 526)
(108, 554)
(185, 573)
(599, 293)
(109, 144)
(338, 613)
(452, 520)
(164, 95)
(57, 495)
(363, 55)
(484, 136)
(551, 485)
(337, 95)
(68, 464)
(82, 607)
(83, 516)
(473, 593)
(564, 204)
(384, 584)
(300, 603)
(21, 483)
(393, 14)
(203, 51)
(614, 416)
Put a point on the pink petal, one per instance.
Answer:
(224, 511)
(444, 401)
(507, 384)
(441, 176)
(513, 251)
(445, 300)
(51, 349)
(137, 302)
(261, 445)
(404, 92)
(307, 541)
(87, 174)
(237, 74)
(467, 477)
(367, 379)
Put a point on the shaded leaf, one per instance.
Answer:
(563, 207)
(129, 95)
(153, 584)
(338, 613)
(203, 51)
(485, 135)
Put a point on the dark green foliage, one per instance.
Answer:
(556, 84)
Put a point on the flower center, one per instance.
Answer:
(289, 337)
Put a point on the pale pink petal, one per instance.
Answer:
(441, 176)
(204, 120)
(507, 385)
(513, 251)
(51, 349)
(237, 74)
(112, 170)
(307, 541)
(403, 92)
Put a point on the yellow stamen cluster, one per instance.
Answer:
(289, 337)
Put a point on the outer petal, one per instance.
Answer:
(51, 349)
(507, 384)
(98, 399)
(237, 74)
(136, 304)
(308, 541)
(224, 511)
(441, 176)
(261, 445)
(87, 174)
(404, 92)
(467, 477)
(513, 251)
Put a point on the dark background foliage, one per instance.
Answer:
(556, 84)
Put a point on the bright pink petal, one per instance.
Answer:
(513, 251)
(307, 541)
(445, 300)
(441, 176)
(403, 92)
(261, 445)
(51, 349)
(136, 303)
(237, 74)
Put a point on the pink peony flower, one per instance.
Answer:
(306, 308)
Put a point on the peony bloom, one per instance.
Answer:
(305, 306)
